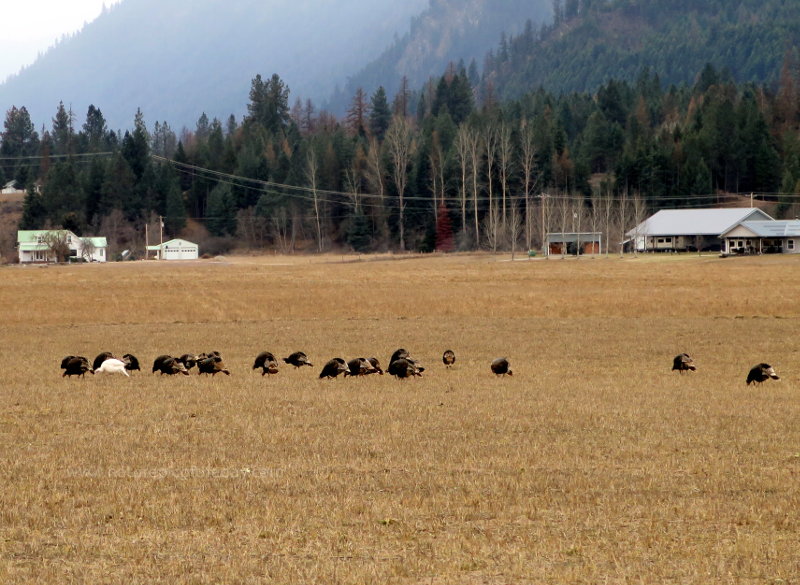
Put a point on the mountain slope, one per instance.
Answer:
(179, 58)
(599, 40)
(448, 31)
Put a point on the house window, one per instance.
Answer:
(790, 244)
(40, 255)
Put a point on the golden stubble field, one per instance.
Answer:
(592, 464)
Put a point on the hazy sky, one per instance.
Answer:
(31, 26)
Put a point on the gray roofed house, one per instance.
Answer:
(685, 229)
(763, 237)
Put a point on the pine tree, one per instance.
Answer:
(221, 211)
(33, 211)
(380, 115)
(175, 209)
(359, 234)
(63, 132)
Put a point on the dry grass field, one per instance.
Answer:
(592, 464)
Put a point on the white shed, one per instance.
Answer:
(176, 249)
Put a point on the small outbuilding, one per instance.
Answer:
(573, 243)
(780, 236)
(680, 230)
(176, 249)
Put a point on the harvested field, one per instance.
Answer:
(592, 463)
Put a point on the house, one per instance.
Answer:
(781, 236)
(175, 249)
(33, 246)
(678, 230)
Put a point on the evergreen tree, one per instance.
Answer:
(33, 211)
(269, 104)
(380, 115)
(175, 209)
(63, 132)
(19, 139)
(359, 234)
(136, 147)
(221, 211)
(94, 134)
(59, 191)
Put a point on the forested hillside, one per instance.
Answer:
(592, 41)
(448, 31)
(175, 60)
(457, 174)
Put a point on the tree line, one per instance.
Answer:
(444, 167)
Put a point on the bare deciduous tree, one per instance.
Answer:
(57, 245)
(87, 249)
(527, 162)
(312, 173)
(376, 177)
(505, 161)
(462, 148)
(400, 142)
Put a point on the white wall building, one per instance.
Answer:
(780, 236)
(176, 249)
(690, 229)
(32, 246)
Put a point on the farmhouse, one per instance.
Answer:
(36, 246)
(763, 237)
(176, 249)
(573, 243)
(671, 230)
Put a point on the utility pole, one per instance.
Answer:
(545, 250)
(146, 243)
(160, 238)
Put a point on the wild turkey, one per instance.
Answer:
(267, 362)
(98, 361)
(189, 360)
(399, 354)
(359, 367)
(449, 358)
(761, 373)
(405, 368)
(376, 366)
(213, 365)
(298, 359)
(501, 367)
(131, 362)
(683, 363)
(166, 364)
(333, 368)
(75, 365)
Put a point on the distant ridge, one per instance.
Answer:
(178, 59)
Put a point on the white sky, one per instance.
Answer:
(30, 27)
